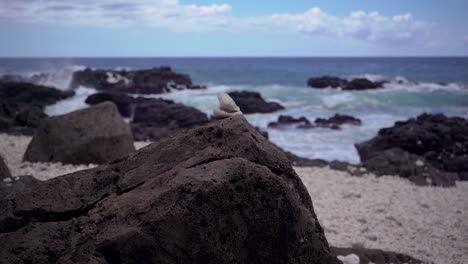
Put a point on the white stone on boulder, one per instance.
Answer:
(227, 107)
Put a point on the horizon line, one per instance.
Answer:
(231, 57)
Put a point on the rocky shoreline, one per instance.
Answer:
(243, 188)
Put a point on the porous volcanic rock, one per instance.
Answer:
(397, 162)
(93, 135)
(335, 82)
(441, 140)
(252, 102)
(219, 193)
(149, 81)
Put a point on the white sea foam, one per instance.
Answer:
(71, 104)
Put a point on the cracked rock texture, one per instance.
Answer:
(220, 193)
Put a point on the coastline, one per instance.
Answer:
(388, 213)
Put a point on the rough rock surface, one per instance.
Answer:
(93, 135)
(335, 82)
(336, 121)
(252, 102)
(442, 141)
(375, 256)
(395, 161)
(4, 171)
(231, 197)
(285, 120)
(150, 81)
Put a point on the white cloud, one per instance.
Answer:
(171, 15)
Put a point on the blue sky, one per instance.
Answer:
(233, 28)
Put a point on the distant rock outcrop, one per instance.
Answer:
(21, 105)
(335, 82)
(287, 121)
(302, 122)
(336, 121)
(440, 140)
(252, 102)
(22, 93)
(219, 193)
(152, 118)
(150, 81)
(93, 135)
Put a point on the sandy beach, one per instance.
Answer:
(387, 213)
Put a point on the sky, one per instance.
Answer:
(152, 28)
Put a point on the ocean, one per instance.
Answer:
(416, 85)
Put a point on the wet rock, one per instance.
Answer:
(22, 93)
(336, 121)
(21, 106)
(400, 163)
(287, 121)
(252, 102)
(335, 82)
(220, 193)
(149, 81)
(441, 140)
(93, 135)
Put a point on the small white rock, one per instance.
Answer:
(227, 107)
(419, 163)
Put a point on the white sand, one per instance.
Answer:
(389, 213)
(12, 148)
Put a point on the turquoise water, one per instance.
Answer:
(416, 85)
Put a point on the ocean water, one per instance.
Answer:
(416, 85)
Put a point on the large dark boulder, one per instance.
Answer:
(252, 102)
(93, 135)
(4, 171)
(397, 162)
(441, 140)
(335, 82)
(220, 193)
(149, 81)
